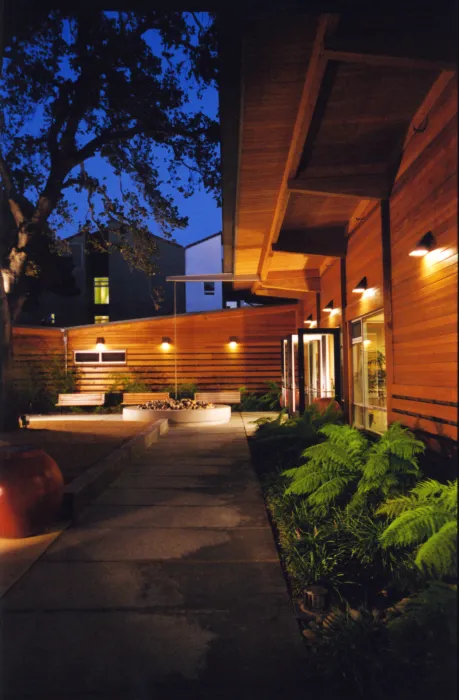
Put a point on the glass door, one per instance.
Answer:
(319, 374)
(290, 388)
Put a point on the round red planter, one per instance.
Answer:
(323, 403)
(31, 489)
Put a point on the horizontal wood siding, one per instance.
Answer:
(203, 356)
(330, 290)
(364, 259)
(424, 290)
(35, 350)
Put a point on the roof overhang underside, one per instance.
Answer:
(320, 115)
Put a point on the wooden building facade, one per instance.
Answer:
(347, 159)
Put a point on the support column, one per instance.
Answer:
(387, 301)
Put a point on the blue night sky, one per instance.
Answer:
(204, 216)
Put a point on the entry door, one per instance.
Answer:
(319, 369)
(290, 369)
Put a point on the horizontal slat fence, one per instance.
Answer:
(202, 342)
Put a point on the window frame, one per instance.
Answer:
(99, 288)
(211, 292)
(99, 361)
(365, 407)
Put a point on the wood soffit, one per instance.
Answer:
(327, 103)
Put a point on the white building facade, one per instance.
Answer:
(204, 257)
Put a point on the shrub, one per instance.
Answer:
(269, 401)
(38, 385)
(426, 519)
(346, 469)
(127, 382)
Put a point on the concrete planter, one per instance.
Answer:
(205, 416)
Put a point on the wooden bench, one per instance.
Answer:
(83, 399)
(218, 397)
(132, 398)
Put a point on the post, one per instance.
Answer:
(387, 298)
(175, 339)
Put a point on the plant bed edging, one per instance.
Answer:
(94, 480)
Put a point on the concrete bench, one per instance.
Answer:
(83, 399)
(218, 397)
(132, 398)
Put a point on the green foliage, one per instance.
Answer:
(127, 381)
(347, 469)
(426, 518)
(279, 443)
(410, 656)
(269, 401)
(185, 390)
(38, 384)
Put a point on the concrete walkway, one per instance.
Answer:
(169, 586)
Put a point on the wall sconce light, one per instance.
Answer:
(165, 343)
(100, 344)
(311, 323)
(424, 246)
(329, 308)
(362, 286)
(233, 342)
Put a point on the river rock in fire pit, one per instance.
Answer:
(176, 405)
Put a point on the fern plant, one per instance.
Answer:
(426, 518)
(347, 469)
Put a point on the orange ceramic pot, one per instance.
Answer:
(31, 490)
(323, 403)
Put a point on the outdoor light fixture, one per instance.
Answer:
(100, 344)
(329, 308)
(424, 246)
(233, 342)
(362, 286)
(310, 321)
(165, 343)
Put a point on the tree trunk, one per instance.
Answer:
(8, 402)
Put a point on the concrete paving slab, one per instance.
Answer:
(166, 590)
(180, 497)
(131, 651)
(244, 515)
(215, 482)
(128, 544)
(141, 585)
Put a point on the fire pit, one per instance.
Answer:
(180, 411)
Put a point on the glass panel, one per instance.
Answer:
(101, 290)
(319, 366)
(101, 319)
(369, 376)
(114, 356)
(86, 357)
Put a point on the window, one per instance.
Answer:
(369, 373)
(90, 357)
(209, 288)
(52, 318)
(101, 290)
(101, 319)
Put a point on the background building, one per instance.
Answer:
(110, 289)
(204, 257)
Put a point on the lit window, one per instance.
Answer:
(101, 319)
(369, 373)
(209, 288)
(101, 290)
(52, 318)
